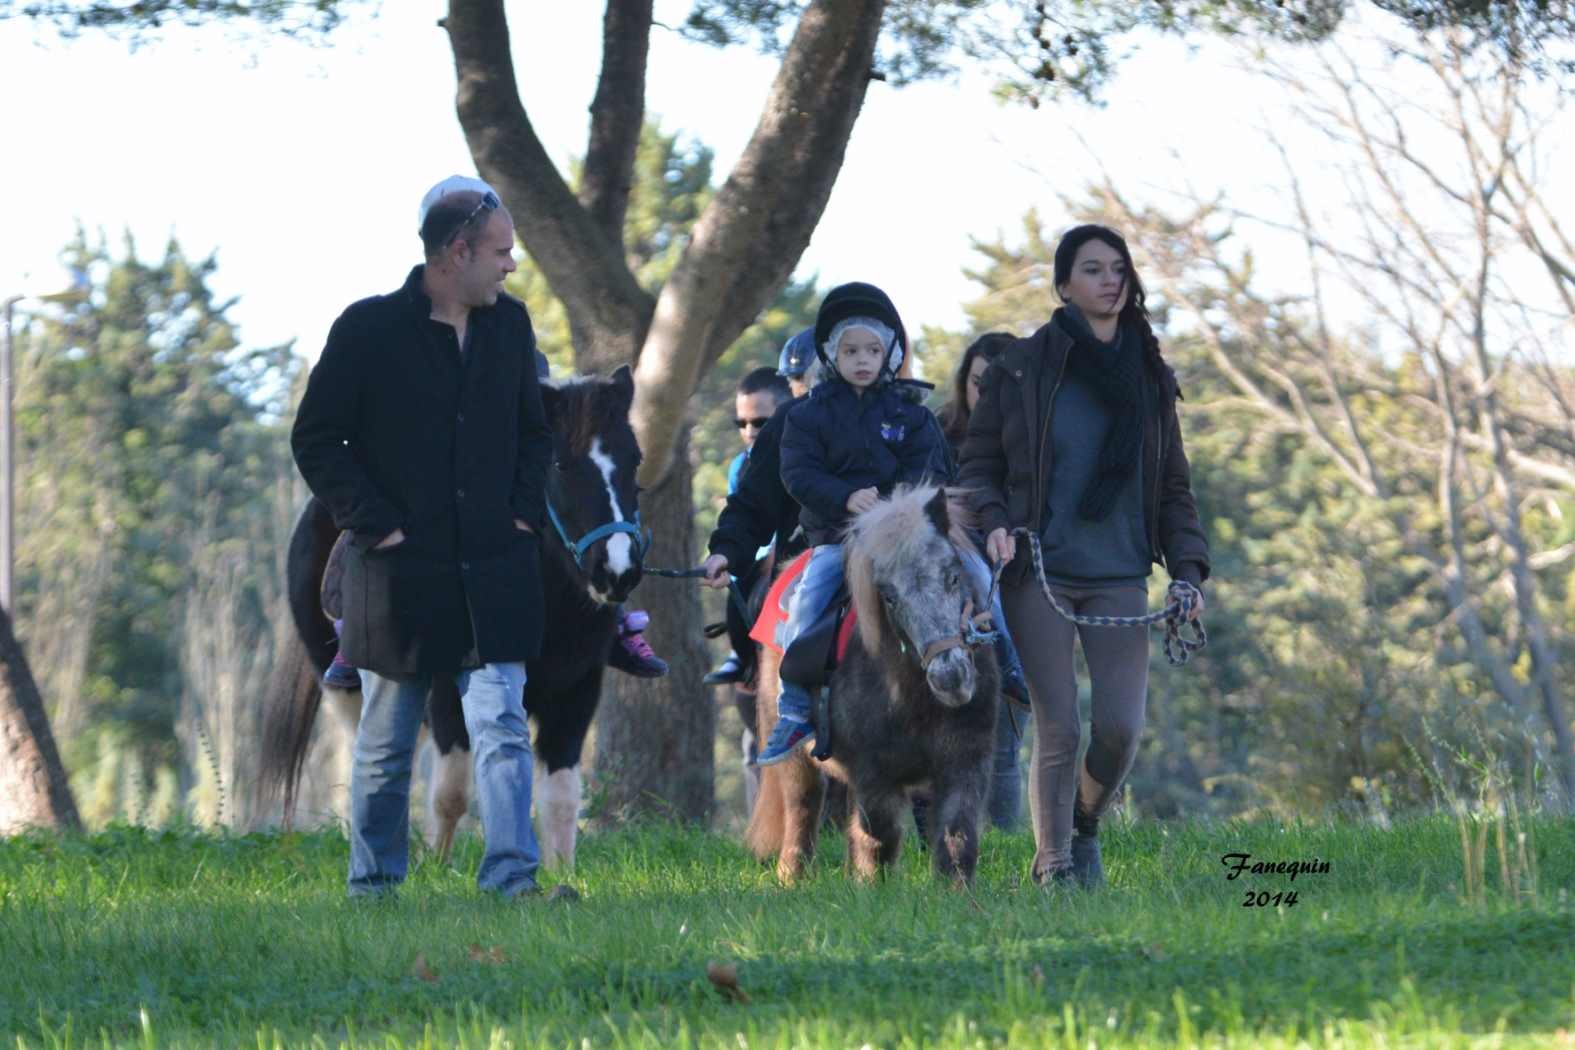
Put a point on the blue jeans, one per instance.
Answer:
(816, 587)
(493, 699)
(979, 572)
(1004, 800)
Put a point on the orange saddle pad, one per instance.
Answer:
(774, 614)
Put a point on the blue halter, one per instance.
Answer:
(642, 536)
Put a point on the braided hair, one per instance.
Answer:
(1135, 312)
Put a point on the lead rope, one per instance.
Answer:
(1183, 598)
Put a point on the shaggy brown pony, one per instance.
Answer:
(897, 724)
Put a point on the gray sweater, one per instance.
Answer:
(1105, 553)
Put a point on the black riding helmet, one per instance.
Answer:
(857, 299)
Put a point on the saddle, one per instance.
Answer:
(818, 650)
(821, 648)
(333, 575)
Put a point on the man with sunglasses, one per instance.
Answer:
(422, 430)
(759, 394)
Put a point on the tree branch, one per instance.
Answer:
(617, 112)
(750, 237)
(608, 310)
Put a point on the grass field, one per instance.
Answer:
(181, 939)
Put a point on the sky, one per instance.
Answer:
(302, 166)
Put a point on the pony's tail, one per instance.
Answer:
(768, 821)
(295, 692)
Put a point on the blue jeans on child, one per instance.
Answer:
(493, 699)
(817, 585)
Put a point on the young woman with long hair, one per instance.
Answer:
(1075, 438)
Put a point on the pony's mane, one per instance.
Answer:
(589, 405)
(892, 533)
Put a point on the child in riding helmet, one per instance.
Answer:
(851, 441)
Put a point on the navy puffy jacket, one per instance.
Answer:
(836, 442)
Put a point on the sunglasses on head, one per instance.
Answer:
(489, 202)
(758, 423)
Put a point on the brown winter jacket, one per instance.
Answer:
(1004, 456)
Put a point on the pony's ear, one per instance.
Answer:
(623, 383)
(938, 513)
(551, 400)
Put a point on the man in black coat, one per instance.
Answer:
(423, 432)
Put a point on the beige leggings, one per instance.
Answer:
(1118, 668)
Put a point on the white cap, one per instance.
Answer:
(452, 184)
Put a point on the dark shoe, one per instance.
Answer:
(732, 670)
(787, 736)
(560, 894)
(1087, 867)
(340, 675)
(1056, 877)
(633, 655)
(1015, 687)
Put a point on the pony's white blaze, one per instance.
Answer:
(619, 549)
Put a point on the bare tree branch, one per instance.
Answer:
(617, 113)
(608, 310)
(750, 236)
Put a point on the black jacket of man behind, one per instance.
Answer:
(760, 510)
(400, 430)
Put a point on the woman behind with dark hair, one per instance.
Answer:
(1004, 801)
(1075, 438)
(966, 381)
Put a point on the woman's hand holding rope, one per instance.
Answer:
(1184, 604)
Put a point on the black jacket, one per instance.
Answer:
(835, 443)
(398, 431)
(1006, 455)
(760, 509)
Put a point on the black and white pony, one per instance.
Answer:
(591, 560)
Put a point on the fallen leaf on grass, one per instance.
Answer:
(492, 956)
(422, 971)
(724, 976)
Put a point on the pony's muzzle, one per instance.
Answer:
(623, 584)
(951, 677)
(613, 567)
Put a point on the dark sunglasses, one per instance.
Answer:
(758, 424)
(489, 202)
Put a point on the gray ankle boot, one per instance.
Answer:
(1087, 867)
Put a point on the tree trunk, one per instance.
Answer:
(34, 792)
(655, 737)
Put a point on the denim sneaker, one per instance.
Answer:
(633, 655)
(788, 734)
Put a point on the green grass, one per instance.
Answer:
(181, 939)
